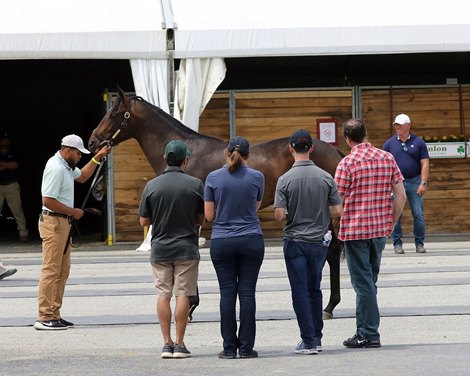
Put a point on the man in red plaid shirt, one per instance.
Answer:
(366, 179)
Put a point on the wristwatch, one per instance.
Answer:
(424, 183)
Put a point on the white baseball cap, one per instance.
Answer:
(402, 119)
(74, 141)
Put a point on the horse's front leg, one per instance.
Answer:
(333, 258)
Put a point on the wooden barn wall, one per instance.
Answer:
(131, 171)
(263, 116)
(433, 112)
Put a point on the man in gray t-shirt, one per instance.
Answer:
(173, 204)
(306, 197)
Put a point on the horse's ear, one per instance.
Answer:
(121, 92)
(122, 95)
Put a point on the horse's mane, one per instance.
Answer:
(171, 121)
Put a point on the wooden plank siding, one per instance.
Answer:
(131, 171)
(263, 116)
(433, 112)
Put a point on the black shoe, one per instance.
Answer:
(180, 352)
(49, 325)
(357, 341)
(8, 273)
(167, 351)
(224, 355)
(249, 355)
(68, 324)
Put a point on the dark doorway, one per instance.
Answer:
(41, 101)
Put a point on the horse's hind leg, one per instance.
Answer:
(333, 257)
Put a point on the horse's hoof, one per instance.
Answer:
(327, 315)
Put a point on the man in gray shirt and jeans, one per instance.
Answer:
(306, 198)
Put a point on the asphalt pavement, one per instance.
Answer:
(424, 302)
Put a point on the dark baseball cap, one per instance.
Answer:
(301, 139)
(4, 134)
(178, 148)
(239, 143)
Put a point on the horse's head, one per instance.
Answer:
(113, 128)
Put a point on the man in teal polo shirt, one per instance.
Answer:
(58, 210)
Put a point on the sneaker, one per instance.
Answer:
(399, 250)
(420, 248)
(357, 341)
(49, 325)
(180, 351)
(68, 324)
(167, 351)
(302, 348)
(8, 273)
(224, 355)
(249, 355)
(318, 345)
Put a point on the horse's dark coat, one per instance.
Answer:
(153, 129)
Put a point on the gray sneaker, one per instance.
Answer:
(399, 250)
(420, 248)
(302, 348)
(180, 351)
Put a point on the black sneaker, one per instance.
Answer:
(357, 341)
(167, 351)
(180, 351)
(224, 355)
(249, 355)
(49, 325)
(68, 324)
(8, 273)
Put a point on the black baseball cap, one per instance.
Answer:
(301, 139)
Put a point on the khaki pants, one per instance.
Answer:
(12, 194)
(54, 232)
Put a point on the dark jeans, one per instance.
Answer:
(304, 264)
(237, 262)
(364, 257)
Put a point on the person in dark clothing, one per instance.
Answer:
(173, 204)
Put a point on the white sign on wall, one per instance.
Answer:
(327, 129)
(446, 149)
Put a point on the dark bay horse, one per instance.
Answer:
(133, 117)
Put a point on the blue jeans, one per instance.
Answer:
(304, 264)
(237, 262)
(363, 258)
(417, 210)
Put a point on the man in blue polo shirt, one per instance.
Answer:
(411, 154)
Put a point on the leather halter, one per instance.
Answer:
(127, 115)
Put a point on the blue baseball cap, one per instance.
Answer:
(241, 144)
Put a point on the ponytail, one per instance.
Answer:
(234, 160)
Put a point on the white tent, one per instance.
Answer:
(123, 29)
(85, 29)
(211, 28)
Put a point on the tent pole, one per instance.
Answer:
(170, 26)
(170, 54)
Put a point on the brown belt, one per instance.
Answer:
(53, 214)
